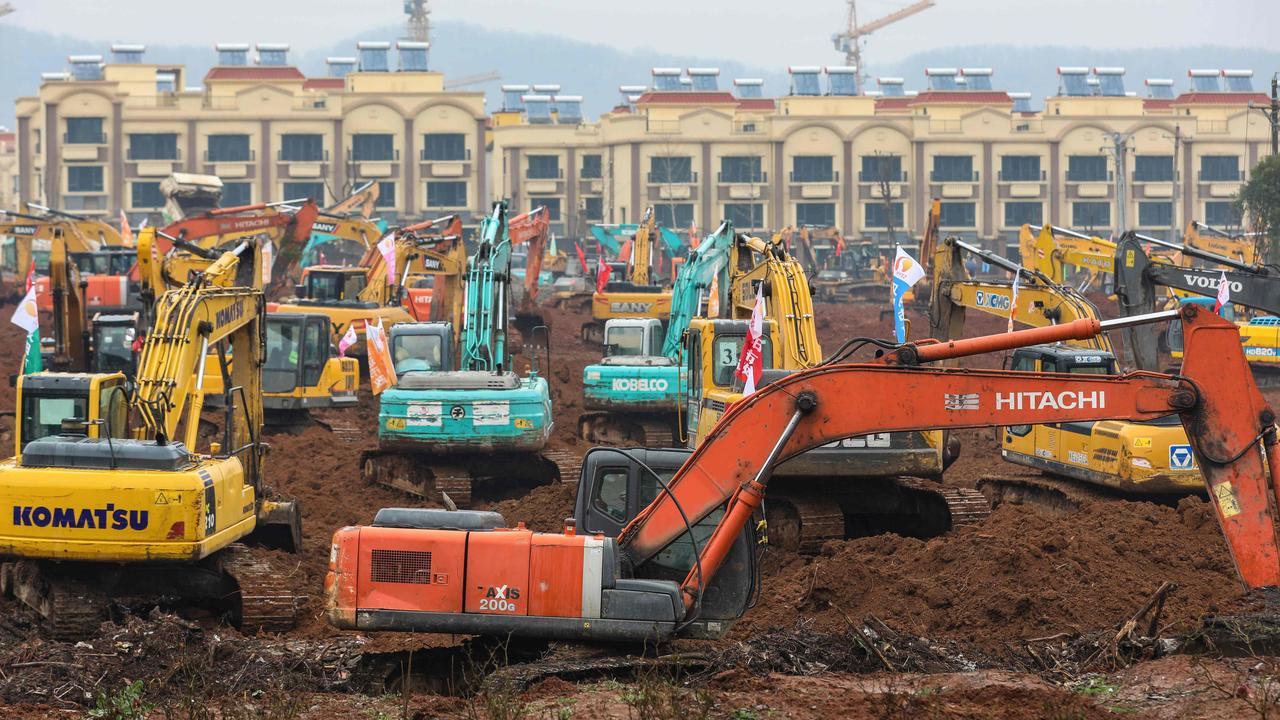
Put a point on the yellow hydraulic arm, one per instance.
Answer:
(1242, 247)
(224, 301)
(1052, 249)
(362, 202)
(642, 248)
(757, 263)
(1039, 302)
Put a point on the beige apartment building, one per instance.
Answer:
(1095, 157)
(101, 137)
(8, 168)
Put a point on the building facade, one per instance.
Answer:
(8, 168)
(100, 138)
(1095, 158)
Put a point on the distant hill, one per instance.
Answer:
(595, 70)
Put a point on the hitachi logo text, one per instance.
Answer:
(1034, 400)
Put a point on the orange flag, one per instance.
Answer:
(382, 371)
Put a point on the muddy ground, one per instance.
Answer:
(1012, 609)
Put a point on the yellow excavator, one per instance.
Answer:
(1147, 460)
(1241, 247)
(637, 294)
(425, 253)
(1052, 250)
(29, 237)
(116, 499)
(852, 487)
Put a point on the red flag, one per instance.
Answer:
(126, 232)
(603, 271)
(839, 245)
(624, 255)
(31, 276)
(1224, 293)
(693, 235)
(582, 258)
(750, 360)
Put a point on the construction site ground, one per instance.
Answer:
(1016, 617)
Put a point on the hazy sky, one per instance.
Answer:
(757, 32)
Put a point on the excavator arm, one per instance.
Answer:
(484, 336)
(1039, 303)
(1224, 414)
(695, 277)
(70, 327)
(642, 249)
(1241, 247)
(286, 224)
(213, 305)
(362, 202)
(1139, 278)
(435, 247)
(756, 263)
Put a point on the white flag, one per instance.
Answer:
(906, 269)
(1013, 304)
(750, 359)
(268, 259)
(1224, 293)
(388, 249)
(348, 339)
(25, 315)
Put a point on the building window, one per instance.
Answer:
(551, 204)
(593, 209)
(228, 148)
(877, 168)
(816, 214)
(812, 168)
(671, 170)
(1017, 214)
(740, 169)
(1020, 168)
(874, 215)
(386, 195)
(544, 167)
(673, 215)
(444, 146)
(745, 215)
(1091, 215)
(153, 146)
(368, 147)
(235, 194)
(1086, 168)
(953, 168)
(1153, 168)
(1155, 214)
(591, 168)
(302, 148)
(446, 194)
(1220, 168)
(84, 131)
(1221, 213)
(146, 195)
(957, 215)
(84, 178)
(301, 190)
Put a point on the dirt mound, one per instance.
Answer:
(1022, 574)
(543, 510)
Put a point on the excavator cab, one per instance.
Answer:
(53, 404)
(422, 347)
(616, 485)
(711, 356)
(113, 338)
(330, 285)
(633, 337)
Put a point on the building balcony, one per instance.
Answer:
(159, 100)
(219, 102)
(736, 192)
(945, 127)
(90, 203)
(84, 153)
(1027, 126)
(1090, 187)
(99, 139)
(454, 167)
(869, 178)
(307, 103)
(872, 191)
(590, 186)
(1153, 188)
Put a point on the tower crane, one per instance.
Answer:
(849, 41)
(418, 26)
(5, 8)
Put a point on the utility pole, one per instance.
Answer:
(1120, 147)
(1274, 115)
(1173, 201)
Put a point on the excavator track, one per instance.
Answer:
(266, 602)
(968, 507)
(72, 609)
(1055, 494)
(803, 523)
(592, 333)
(519, 677)
(569, 463)
(620, 430)
(465, 477)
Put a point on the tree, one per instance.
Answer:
(1259, 203)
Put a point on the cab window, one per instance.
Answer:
(416, 353)
(283, 345)
(315, 351)
(726, 349)
(42, 415)
(113, 350)
(628, 341)
(610, 494)
(111, 410)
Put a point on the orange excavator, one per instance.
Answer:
(531, 229)
(684, 565)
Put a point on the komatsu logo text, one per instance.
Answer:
(1068, 400)
(105, 518)
(229, 314)
(1211, 283)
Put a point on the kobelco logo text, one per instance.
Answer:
(109, 517)
(641, 384)
(229, 314)
(1211, 283)
(630, 307)
(1036, 400)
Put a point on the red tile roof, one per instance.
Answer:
(1157, 103)
(964, 97)
(756, 104)
(893, 103)
(254, 73)
(8, 136)
(324, 84)
(1221, 98)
